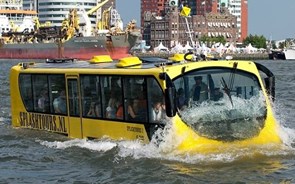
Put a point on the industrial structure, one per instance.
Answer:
(55, 11)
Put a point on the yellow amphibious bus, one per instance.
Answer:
(207, 103)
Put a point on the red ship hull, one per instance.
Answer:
(78, 53)
(117, 46)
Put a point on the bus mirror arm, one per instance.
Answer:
(269, 80)
(170, 97)
(270, 86)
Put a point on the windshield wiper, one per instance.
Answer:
(226, 90)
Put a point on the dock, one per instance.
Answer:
(241, 56)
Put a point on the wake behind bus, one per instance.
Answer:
(206, 104)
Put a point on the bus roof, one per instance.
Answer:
(135, 63)
(145, 63)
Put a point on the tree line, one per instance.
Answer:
(255, 40)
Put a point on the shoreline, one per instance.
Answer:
(255, 56)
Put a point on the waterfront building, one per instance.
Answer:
(10, 4)
(203, 6)
(171, 29)
(161, 29)
(30, 5)
(238, 8)
(216, 24)
(55, 11)
(13, 17)
(153, 6)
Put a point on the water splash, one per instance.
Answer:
(4, 120)
(282, 116)
(166, 148)
(100, 145)
(255, 106)
(221, 120)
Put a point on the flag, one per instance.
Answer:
(185, 11)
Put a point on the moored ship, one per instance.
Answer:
(77, 47)
(66, 41)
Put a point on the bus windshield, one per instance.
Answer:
(221, 104)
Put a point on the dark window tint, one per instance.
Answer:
(26, 91)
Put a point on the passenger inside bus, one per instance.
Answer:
(158, 112)
(217, 94)
(115, 84)
(133, 110)
(142, 105)
(199, 91)
(112, 106)
(120, 112)
(94, 110)
(43, 102)
(59, 103)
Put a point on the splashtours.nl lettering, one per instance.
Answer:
(43, 122)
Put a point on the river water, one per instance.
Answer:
(29, 156)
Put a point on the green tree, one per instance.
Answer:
(282, 45)
(256, 41)
(286, 43)
(273, 45)
(209, 40)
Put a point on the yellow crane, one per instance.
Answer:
(88, 28)
(104, 23)
(94, 9)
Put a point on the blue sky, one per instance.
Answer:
(273, 19)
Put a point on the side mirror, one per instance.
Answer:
(269, 81)
(170, 97)
(270, 87)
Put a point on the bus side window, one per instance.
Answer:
(57, 91)
(91, 96)
(157, 109)
(111, 96)
(135, 99)
(26, 91)
(86, 98)
(40, 93)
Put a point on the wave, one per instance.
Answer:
(165, 150)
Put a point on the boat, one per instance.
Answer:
(136, 98)
(76, 47)
(71, 40)
(285, 54)
(277, 55)
(289, 52)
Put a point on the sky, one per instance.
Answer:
(274, 19)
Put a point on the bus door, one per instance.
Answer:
(74, 107)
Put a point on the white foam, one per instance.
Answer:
(137, 150)
(287, 134)
(165, 150)
(82, 143)
(2, 119)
